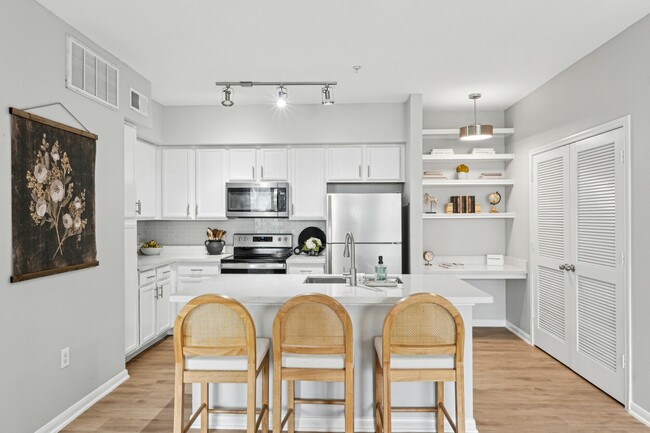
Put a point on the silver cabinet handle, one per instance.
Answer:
(368, 171)
(253, 171)
(197, 270)
(563, 267)
(162, 294)
(293, 211)
(196, 210)
(359, 170)
(262, 169)
(138, 207)
(155, 293)
(305, 271)
(188, 210)
(166, 272)
(150, 277)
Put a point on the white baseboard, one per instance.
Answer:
(488, 323)
(518, 332)
(640, 413)
(336, 424)
(69, 415)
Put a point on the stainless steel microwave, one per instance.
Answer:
(267, 200)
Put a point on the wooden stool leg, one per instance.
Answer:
(265, 394)
(440, 401)
(378, 391)
(277, 396)
(291, 406)
(386, 403)
(179, 396)
(460, 397)
(349, 400)
(204, 412)
(251, 400)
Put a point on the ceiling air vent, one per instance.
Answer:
(91, 75)
(138, 102)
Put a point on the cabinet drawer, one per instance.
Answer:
(198, 270)
(147, 277)
(306, 269)
(163, 272)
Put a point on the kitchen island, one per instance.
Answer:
(264, 294)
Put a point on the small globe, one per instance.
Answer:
(494, 198)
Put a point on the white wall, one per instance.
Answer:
(82, 309)
(296, 124)
(609, 83)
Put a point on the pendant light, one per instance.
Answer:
(226, 95)
(326, 95)
(281, 92)
(475, 131)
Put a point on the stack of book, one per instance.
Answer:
(494, 175)
(433, 174)
(483, 151)
(462, 204)
(442, 151)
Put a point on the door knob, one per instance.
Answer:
(571, 268)
(563, 267)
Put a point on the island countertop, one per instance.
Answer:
(271, 289)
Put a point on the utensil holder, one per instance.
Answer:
(214, 247)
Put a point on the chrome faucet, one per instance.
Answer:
(349, 240)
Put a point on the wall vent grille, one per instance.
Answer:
(138, 102)
(91, 75)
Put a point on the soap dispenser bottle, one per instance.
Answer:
(380, 270)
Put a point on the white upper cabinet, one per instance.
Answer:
(345, 164)
(380, 163)
(177, 182)
(242, 164)
(272, 164)
(308, 185)
(211, 175)
(145, 179)
(258, 165)
(383, 163)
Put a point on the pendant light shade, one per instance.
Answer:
(226, 100)
(475, 131)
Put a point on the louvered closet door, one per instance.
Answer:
(597, 226)
(550, 251)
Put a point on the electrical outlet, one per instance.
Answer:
(65, 357)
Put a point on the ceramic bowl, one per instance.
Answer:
(151, 251)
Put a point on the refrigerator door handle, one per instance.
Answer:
(329, 260)
(329, 219)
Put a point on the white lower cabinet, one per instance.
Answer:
(305, 269)
(155, 309)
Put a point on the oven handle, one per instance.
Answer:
(253, 265)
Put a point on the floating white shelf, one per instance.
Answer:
(469, 182)
(454, 132)
(482, 215)
(470, 157)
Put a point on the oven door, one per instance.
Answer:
(257, 200)
(253, 268)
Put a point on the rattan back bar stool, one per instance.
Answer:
(215, 342)
(312, 341)
(422, 341)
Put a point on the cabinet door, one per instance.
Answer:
(147, 313)
(177, 181)
(210, 184)
(345, 164)
(163, 310)
(272, 164)
(242, 164)
(145, 179)
(131, 332)
(308, 186)
(383, 163)
(129, 171)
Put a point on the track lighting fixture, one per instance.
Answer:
(476, 131)
(280, 92)
(226, 100)
(326, 95)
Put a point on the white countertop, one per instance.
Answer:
(306, 259)
(475, 268)
(171, 254)
(274, 289)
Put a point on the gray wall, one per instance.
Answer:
(84, 309)
(609, 83)
(297, 124)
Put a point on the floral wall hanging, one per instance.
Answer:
(53, 197)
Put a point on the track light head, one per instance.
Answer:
(281, 93)
(326, 95)
(226, 100)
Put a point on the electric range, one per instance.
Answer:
(259, 254)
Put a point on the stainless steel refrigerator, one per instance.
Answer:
(375, 221)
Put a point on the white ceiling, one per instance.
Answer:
(444, 50)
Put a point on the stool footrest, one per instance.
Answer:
(235, 410)
(414, 409)
(319, 401)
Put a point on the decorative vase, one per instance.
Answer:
(214, 247)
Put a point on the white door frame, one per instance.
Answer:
(625, 123)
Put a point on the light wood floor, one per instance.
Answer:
(517, 388)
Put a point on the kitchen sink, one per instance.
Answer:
(326, 279)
